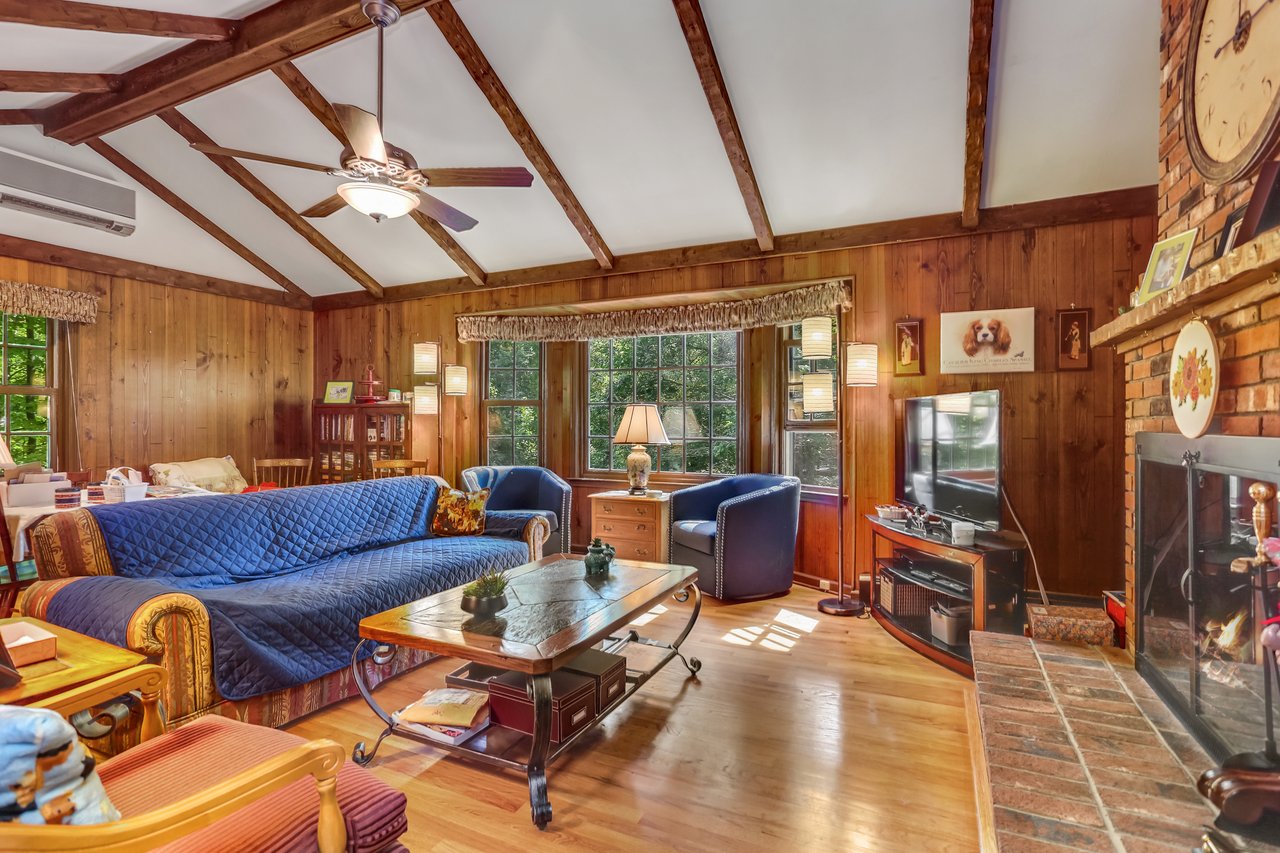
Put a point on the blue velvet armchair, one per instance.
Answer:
(739, 532)
(531, 489)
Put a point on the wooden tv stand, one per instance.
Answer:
(990, 574)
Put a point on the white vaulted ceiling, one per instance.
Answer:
(851, 112)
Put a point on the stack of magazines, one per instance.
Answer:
(446, 714)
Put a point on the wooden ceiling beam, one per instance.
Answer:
(981, 21)
(185, 128)
(473, 59)
(319, 106)
(282, 31)
(1113, 204)
(180, 204)
(704, 60)
(66, 14)
(58, 81)
(61, 256)
(12, 117)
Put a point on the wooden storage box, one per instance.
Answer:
(1087, 626)
(902, 598)
(573, 703)
(608, 671)
(27, 643)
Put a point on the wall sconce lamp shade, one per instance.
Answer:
(860, 365)
(455, 380)
(426, 399)
(819, 396)
(426, 359)
(815, 337)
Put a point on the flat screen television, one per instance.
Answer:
(950, 460)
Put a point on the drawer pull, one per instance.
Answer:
(577, 718)
(640, 511)
(607, 507)
(613, 688)
(607, 528)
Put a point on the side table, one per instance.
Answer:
(637, 526)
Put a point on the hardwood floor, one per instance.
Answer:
(803, 732)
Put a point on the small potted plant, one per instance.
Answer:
(486, 595)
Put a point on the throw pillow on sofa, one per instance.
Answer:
(459, 513)
(212, 473)
(45, 774)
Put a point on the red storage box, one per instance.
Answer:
(608, 671)
(573, 703)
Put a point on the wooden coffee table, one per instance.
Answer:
(555, 613)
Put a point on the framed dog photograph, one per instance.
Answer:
(1167, 266)
(338, 392)
(908, 347)
(1073, 326)
(1002, 340)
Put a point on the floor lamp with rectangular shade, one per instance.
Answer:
(454, 384)
(857, 368)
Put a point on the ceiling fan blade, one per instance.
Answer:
(363, 134)
(329, 206)
(261, 158)
(515, 176)
(446, 215)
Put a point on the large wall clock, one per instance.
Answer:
(1231, 99)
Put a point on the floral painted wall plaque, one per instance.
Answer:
(1194, 378)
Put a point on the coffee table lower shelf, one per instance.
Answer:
(514, 750)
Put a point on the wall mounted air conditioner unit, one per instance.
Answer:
(46, 189)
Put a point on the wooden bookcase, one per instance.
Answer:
(349, 438)
(927, 567)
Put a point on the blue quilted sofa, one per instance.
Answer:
(252, 602)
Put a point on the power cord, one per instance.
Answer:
(1035, 564)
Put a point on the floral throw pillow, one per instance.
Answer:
(459, 513)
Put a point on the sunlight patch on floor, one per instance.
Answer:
(780, 634)
(646, 618)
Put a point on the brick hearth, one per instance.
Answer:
(1081, 754)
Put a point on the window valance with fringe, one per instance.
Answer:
(56, 303)
(776, 309)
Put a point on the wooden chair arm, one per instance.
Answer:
(147, 678)
(319, 758)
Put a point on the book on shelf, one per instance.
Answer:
(447, 706)
(444, 734)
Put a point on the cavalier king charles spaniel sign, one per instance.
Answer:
(998, 341)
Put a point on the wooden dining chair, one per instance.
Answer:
(285, 473)
(10, 587)
(398, 468)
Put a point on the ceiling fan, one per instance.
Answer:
(382, 180)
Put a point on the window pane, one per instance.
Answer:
(620, 452)
(622, 385)
(623, 353)
(672, 421)
(672, 350)
(598, 421)
(24, 329)
(598, 355)
(26, 366)
(724, 457)
(528, 354)
(647, 352)
(500, 354)
(599, 453)
(811, 456)
(672, 386)
(500, 452)
(724, 420)
(697, 385)
(697, 457)
(598, 387)
(646, 386)
(671, 458)
(724, 348)
(29, 448)
(527, 385)
(525, 421)
(499, 421)
(526, 451)
(697, 350)
(501, 385)
(697, 421)
(724, 383)
(28, 413)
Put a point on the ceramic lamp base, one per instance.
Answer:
(639, 463)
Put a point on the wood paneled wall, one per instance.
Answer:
(168, 374)
(1063, 435)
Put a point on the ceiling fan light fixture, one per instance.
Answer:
(379, 201)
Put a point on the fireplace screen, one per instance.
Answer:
(1199, 607)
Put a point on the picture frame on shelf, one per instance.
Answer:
(1231, 232)
(1073, 327)
(1167, 265)
(393, 395)
(908, 347)
(1263, 211)
(339, 391)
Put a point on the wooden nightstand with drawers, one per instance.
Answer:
(637, 526)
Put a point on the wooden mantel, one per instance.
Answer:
(1246, 275)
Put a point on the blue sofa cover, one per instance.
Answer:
(285, 575)
(528, 488)
(739, 532)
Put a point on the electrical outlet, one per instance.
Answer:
(824, 585)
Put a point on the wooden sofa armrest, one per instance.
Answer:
(321, 759)
(147, 679)
(536, 533)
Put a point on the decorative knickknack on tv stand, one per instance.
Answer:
(919, 568)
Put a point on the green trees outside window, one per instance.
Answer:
(513, 403)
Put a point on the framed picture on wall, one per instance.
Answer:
(1263, 211)
(1073, 327)
(908, 347)
(1001, 340)
(339, 392)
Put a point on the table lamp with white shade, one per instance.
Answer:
(640, 426)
